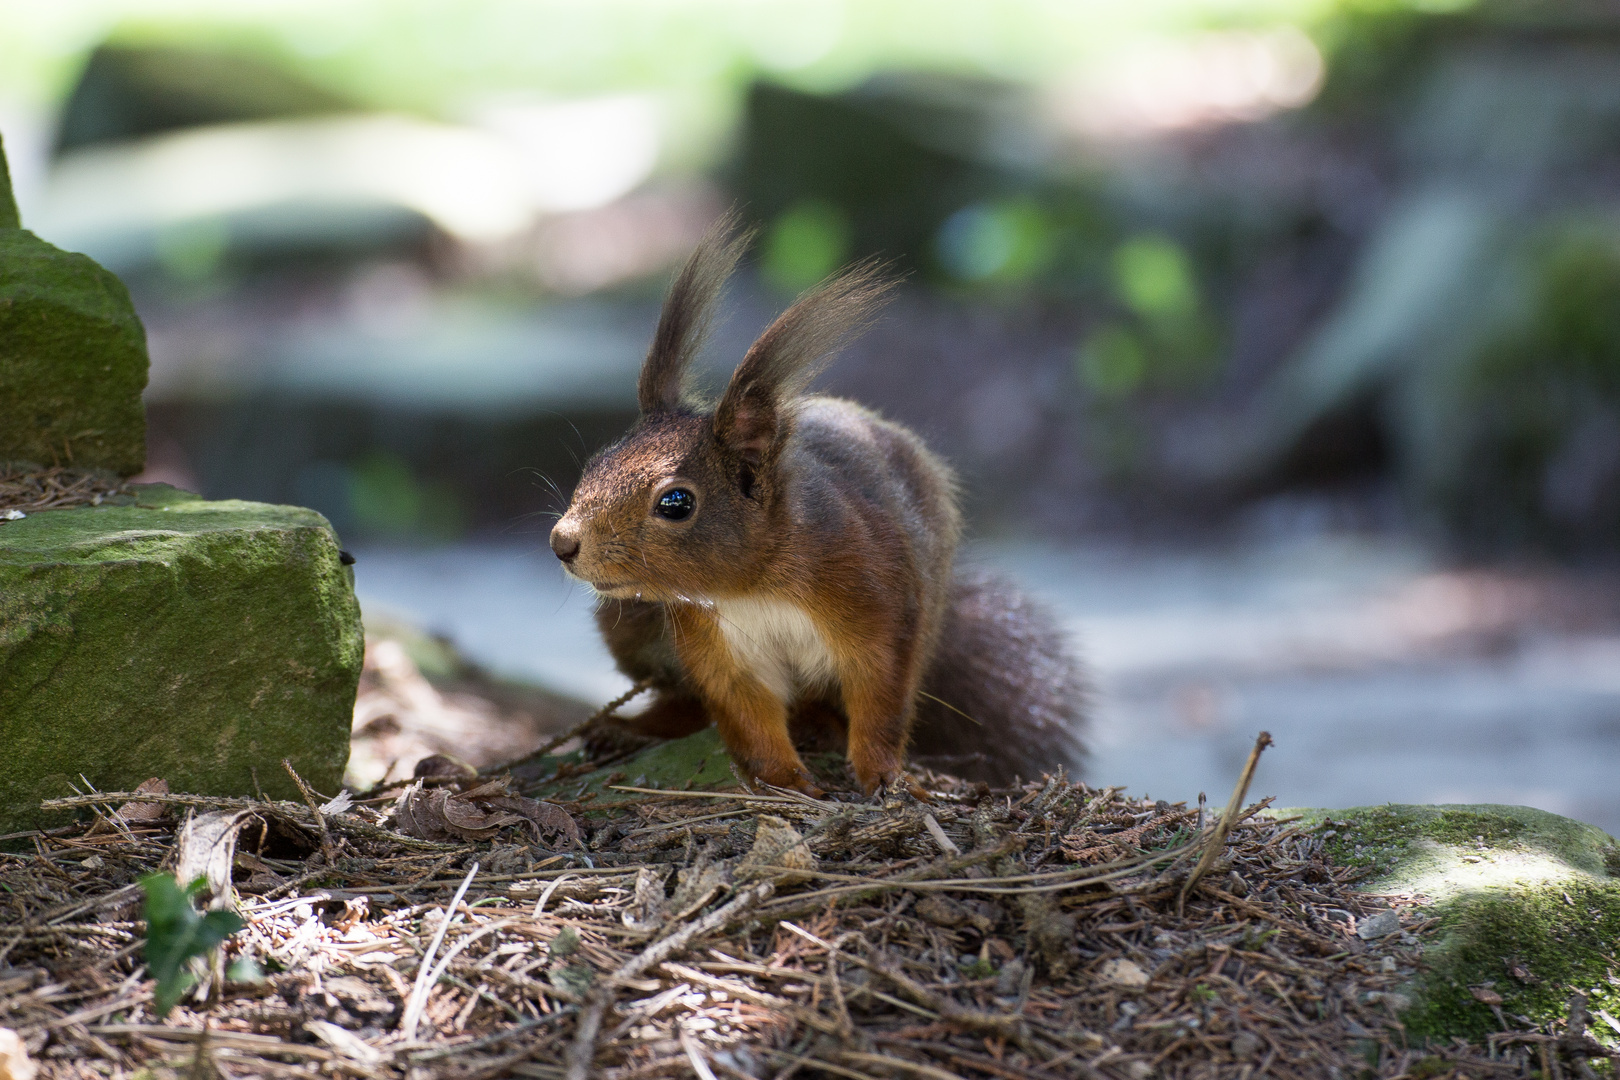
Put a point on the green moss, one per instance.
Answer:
(72, 360)
(201, 642)
(1542, 385)
(1399, 839)
(1528, 904)
(1560, 936)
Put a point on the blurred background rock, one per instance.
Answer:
(1277, 341)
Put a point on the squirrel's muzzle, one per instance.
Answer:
(565, 542)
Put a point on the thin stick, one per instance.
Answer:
(540, 904)
(946, 845)
(583, 1050)
(1010, 1026)
(600, 714)
(902, 1064)
(1217, 839)
(494, 1039)
(327, 850)
(424, 985)
(816, 1063)
(694, 1054)
(743, 795)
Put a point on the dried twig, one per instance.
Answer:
(583, 1050)
(424, 978)
(596, 717)
(315, 811)
(1217, 839)
(55, 488)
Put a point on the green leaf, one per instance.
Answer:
(245, 969)
(175, 932)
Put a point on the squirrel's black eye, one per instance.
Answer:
(676, 504)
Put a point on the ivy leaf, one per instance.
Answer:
(175, 932)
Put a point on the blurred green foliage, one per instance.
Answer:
(433, 56)
(1154, 278)
(192, 251)
(1543, 459)
(1375, 51)
(125, 91)
(1167, 338)
(387, 500)
(1001, 241)
(1112, 361)
(806, 242)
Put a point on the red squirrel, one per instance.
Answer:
(781, 564)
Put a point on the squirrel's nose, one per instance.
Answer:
(565, 543)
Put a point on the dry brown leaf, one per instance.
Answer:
(699, 883)
(479, 814)
(944, 911)
(440, 815)
(546, 818)
(147, 811)
(650, 909)
(470, 819)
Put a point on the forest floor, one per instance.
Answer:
(457, 926)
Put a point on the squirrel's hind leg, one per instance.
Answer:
(674, 714)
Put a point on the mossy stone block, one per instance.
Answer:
(8, 203)
(1528, 903)
(72, 360)
(201, 642)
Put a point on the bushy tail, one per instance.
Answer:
(1005, 695)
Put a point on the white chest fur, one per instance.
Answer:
(777, 642)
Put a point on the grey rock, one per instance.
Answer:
(1380, 925)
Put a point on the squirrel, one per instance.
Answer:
(782, 564)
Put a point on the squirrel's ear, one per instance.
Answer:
(748, 421)
(753, 413)
(684, 322)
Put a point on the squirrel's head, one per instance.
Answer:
(690, 503)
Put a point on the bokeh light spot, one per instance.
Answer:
(804, 244)
(1154, 278)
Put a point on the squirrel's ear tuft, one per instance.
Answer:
(791, 351)
(688, 311)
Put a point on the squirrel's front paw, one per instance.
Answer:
(888, 777)
(874, 770)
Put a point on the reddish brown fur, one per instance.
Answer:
(807, 508)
